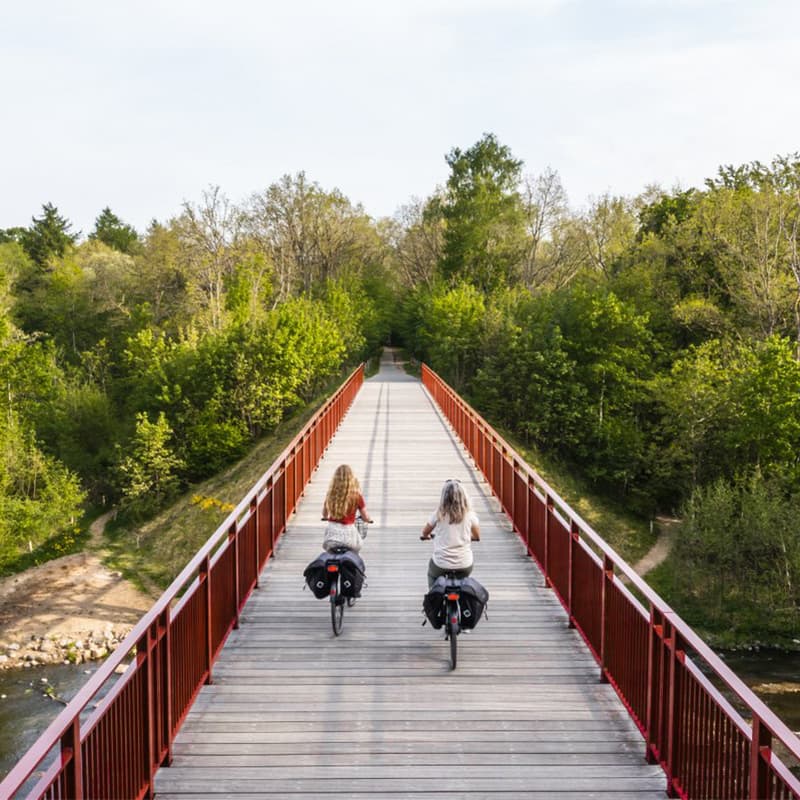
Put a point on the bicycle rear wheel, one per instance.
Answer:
(337, 606)
(337, 613)
(452, 634)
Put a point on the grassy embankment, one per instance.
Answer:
(153, 553)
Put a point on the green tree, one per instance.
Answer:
(147, 473)
(39, 498)
(739, 556)
(48, 236)
(112, 231)
(484, 237)
(450, 327)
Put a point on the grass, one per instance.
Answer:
(151, 554)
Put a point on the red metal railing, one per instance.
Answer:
(116, 751)
(707, 748)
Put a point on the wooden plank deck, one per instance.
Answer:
(295, 712)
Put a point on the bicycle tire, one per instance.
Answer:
(452, 633)
(337, 611)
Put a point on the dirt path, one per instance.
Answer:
(70, 597)
(661, 549)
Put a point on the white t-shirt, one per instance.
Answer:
(452, 545)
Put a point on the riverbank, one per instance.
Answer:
(70, 610)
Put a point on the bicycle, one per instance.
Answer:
(455, 602)
(333, 566)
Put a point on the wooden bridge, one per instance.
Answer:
(581, 683)
(377, 712)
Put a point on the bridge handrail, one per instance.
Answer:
(674, 685)
(150, 636)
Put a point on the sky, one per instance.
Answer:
(140, 106)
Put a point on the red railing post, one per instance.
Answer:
(205, 581)
(166, 692)
(529, 497)
(548, 510)
(233, 539)
(500, 489)
(71, 760)
(608, 579)
(256, 533)
(144, 665)
(676, 657)
(574, 540)
(513, 490)
(760, 753)
(654, 659)
(269, 499)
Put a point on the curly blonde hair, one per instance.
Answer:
(454, 503)
(343, 492)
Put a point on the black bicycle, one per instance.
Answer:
(340, 593)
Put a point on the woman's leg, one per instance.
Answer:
(433, 573)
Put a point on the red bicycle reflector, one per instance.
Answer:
(452, 597)
(333, 568)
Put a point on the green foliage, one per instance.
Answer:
(449, 330)
(737, 558)
(48, 236)
(727, 407)
(112, 231)
(39, 498)
(484, 222)
(79, 427)
(147, 470)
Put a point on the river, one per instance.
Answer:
(26, 710)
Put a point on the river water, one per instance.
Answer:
(25, 709)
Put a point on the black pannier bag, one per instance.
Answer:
(319, 580)
(474, 598)
(433, 603)
(351, 565)
(317, 576)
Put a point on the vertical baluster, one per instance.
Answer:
(205, 581)
(233, 541)
(72, 761)
(760, 751)
(254, 515)
(574, 543)
(605, 602)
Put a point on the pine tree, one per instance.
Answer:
(111, 230)
(48, 236)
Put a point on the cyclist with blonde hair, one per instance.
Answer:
(343, 500)
(455, 526)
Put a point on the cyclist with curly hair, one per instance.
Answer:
(343, 500)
